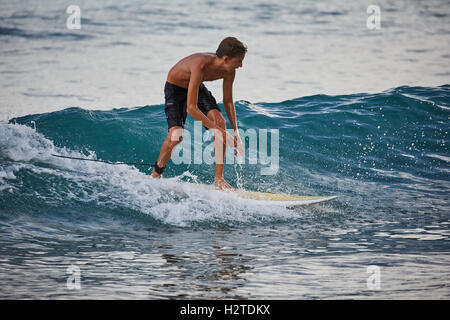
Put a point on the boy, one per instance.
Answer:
(185, 93)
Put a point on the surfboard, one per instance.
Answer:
(280, 199)
(276, 199)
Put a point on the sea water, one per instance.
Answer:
(360, 113)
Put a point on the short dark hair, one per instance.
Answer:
(231, 47)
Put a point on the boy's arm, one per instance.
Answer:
(228, 99)
(231, 110)
(192, 99)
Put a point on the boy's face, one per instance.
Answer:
(234, 63)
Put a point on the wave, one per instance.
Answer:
(393, 142)
(33, 181)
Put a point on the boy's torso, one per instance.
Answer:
(180, 73)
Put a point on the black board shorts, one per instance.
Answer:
(176, 103)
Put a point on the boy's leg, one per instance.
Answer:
(219, 148)
(173, 138)
(208, 105)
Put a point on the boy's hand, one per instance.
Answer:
(239, 149)
(230, 140)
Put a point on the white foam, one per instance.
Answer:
(169, 200)
(425, 100)
(261, 110)
(438, 156)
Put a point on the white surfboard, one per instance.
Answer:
(276, 199)
(280, 199)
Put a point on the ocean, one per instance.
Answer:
(356, 112)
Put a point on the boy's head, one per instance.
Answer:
(232, 51)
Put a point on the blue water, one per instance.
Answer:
(362, 114)
(386, 155)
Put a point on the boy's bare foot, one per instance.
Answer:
(222, 184)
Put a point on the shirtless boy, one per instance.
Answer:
(185, 93)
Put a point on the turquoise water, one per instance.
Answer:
(385, 155)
